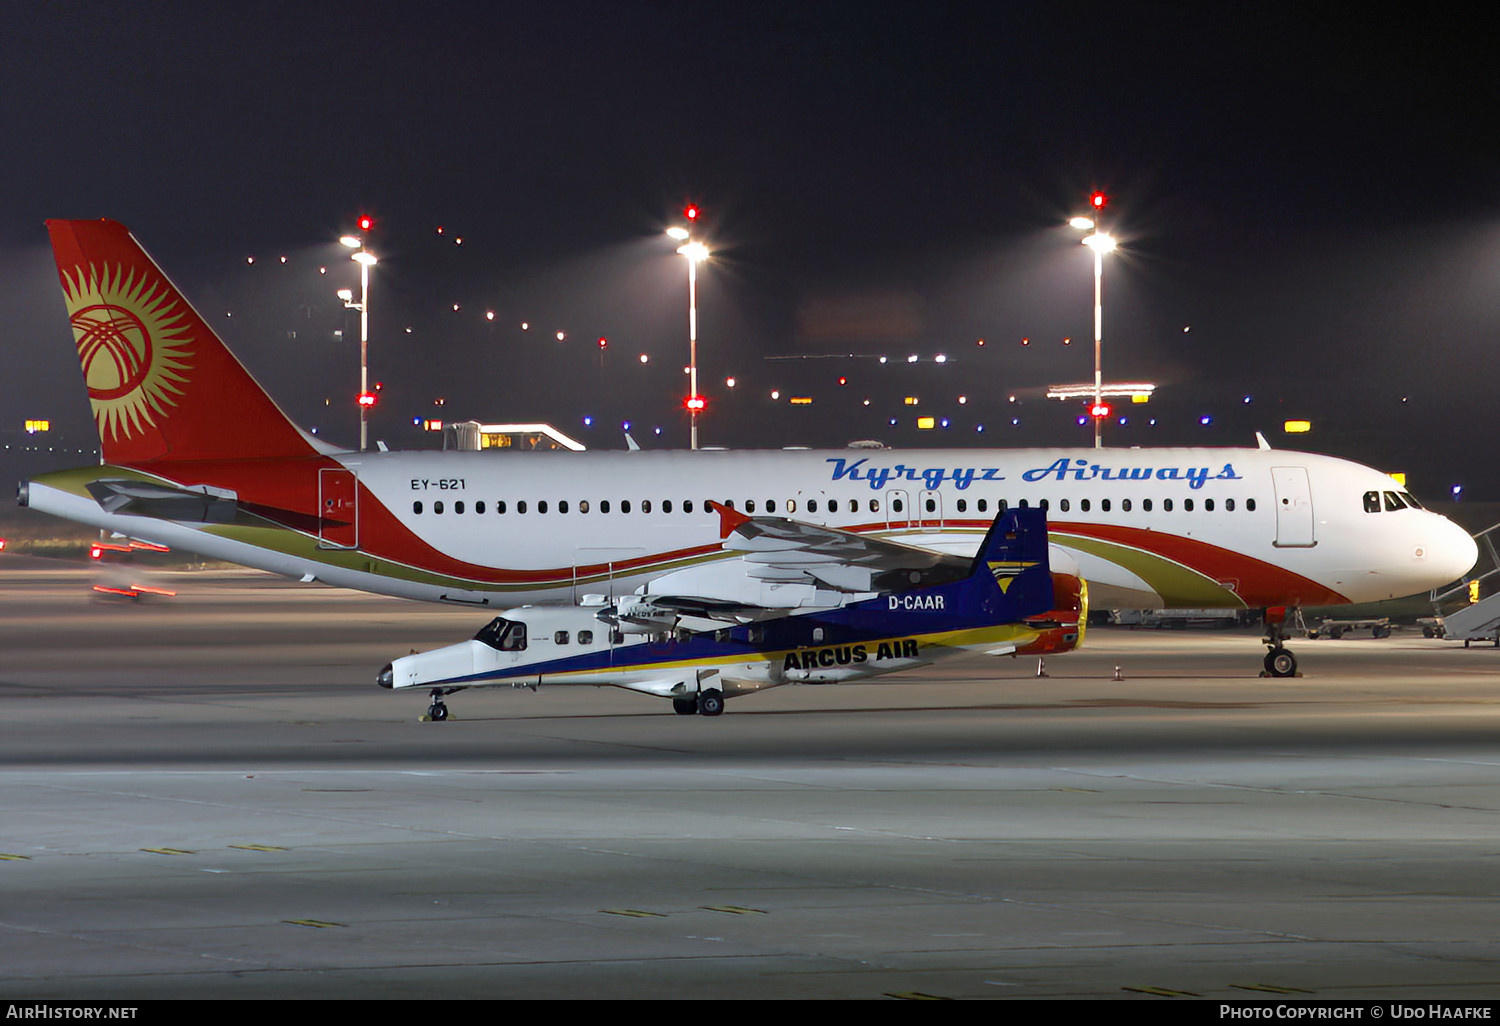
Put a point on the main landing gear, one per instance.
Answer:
(707, 703)
(1279, 661)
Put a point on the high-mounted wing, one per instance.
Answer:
(829, 565)
(780, 550)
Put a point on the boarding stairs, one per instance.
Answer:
(1467, 621)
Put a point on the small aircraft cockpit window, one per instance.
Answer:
(503, 635)
(1372, 502)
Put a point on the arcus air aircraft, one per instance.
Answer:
(1005, 601)
(197, 456)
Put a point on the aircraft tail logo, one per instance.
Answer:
(133, 345)
(1006, 571)
(163, 385)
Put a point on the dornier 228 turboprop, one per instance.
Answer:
(924, 606)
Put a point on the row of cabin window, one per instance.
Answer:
(852, 505)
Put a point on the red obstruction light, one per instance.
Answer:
(1100, 410)
(690, 211)
(367, 223)
(696, 403)
(367, 399)
(1098, 200)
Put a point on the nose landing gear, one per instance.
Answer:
(1279, 661)
(437, 712)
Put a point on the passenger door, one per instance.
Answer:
(1294, 509)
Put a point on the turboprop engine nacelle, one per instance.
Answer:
(1061, 628)
(638, 616)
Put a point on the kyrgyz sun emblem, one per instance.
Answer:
(132, 337)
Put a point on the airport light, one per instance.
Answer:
(1101, 243)
(694, 253)
(366, 260)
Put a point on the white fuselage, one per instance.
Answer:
(1185, 527)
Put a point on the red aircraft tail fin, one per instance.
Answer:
(163, 385)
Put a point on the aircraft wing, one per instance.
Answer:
(779, 550)
(785, 554)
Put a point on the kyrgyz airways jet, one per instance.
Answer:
(197, 456)
(1005, 601)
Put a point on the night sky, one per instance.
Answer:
(1306, 197)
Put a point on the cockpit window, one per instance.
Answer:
(1410, 501)
(1393, 502)
(1372, 502)
(503, 635)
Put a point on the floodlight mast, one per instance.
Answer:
(365, 261)
(694, 252)
(1101, 244)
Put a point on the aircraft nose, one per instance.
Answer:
(1455, 552)
(386, 676)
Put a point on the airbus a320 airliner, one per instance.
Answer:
(195, 455)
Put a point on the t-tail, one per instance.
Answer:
(163, 386)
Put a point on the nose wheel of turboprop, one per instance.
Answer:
(437, 712)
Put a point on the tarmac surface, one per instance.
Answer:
(207, 796)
